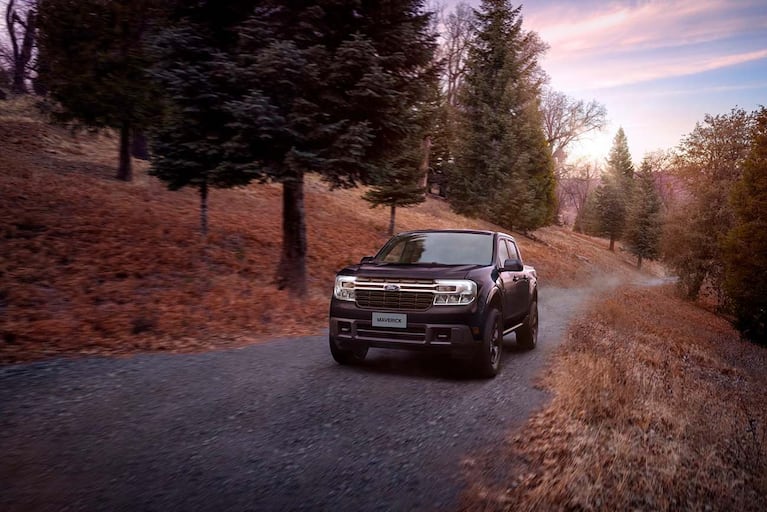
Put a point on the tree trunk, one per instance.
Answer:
(21, 56)
(291, 272)
(426, 147)
(204, 208)
(391, 220)
(139, 146)
(28, 43)
(612, 243)
(124, 170)
(639, 261)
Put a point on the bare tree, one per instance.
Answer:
(566, 119)
(457, 31)
(667, 185)
(574, 184)
(20, 23)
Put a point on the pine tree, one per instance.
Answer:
(404, 176)
(401, 186)
(619, 159)
(96, 64)
(643, 225)
(746, 244)
(614, 194)
(300, 87)
(587, 220)
(611, 207)
(442, 144)
(192, 144)
(503, 167)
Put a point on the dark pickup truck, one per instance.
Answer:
(450, 291)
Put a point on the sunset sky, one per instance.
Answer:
(658, 66)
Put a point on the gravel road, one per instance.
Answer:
(274, 426)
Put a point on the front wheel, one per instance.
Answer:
(343, 356)
(527, 333)
(489, 357)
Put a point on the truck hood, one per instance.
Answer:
(420, 271)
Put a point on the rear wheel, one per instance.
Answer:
(527, 333)
(488, 359)
(348, 356)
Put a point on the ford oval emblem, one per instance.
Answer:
(391, 288)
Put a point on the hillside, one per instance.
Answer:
(94, 265)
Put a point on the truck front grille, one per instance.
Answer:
(399, 300)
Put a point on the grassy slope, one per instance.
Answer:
(656, 406)
(93, 265)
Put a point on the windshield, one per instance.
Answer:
(446, 248)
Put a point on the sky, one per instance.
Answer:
(657, 66)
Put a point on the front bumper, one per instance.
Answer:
(452, 330)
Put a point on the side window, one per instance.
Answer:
(514, 253)
(395, 255)
(503, 251)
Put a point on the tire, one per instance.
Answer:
(527, 333)
(347, 357)
(488, 360)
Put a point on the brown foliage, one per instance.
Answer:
(657, 406)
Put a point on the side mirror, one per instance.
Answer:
(367, 259)
(513, 266)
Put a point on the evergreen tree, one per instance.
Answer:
(587, 220)
(96, 64)
(503, 167)
(709, 163)
(746, 245)
(442, 144)
(611, 208)
(643, 225)
(619, 159)
(191, 146)
(299, 87)
(404, 176)
(401, 185)
(614, 194)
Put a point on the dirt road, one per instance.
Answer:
(275, 426)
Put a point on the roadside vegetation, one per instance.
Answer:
(656, 405)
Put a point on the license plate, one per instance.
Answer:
(390, 320)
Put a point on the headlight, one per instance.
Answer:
(344, 289)
(450, 292)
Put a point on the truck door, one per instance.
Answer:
(510, 282)
(520, 296)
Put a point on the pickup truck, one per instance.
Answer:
(446, 291)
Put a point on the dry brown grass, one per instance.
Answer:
(93, 265)
(657, 405)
